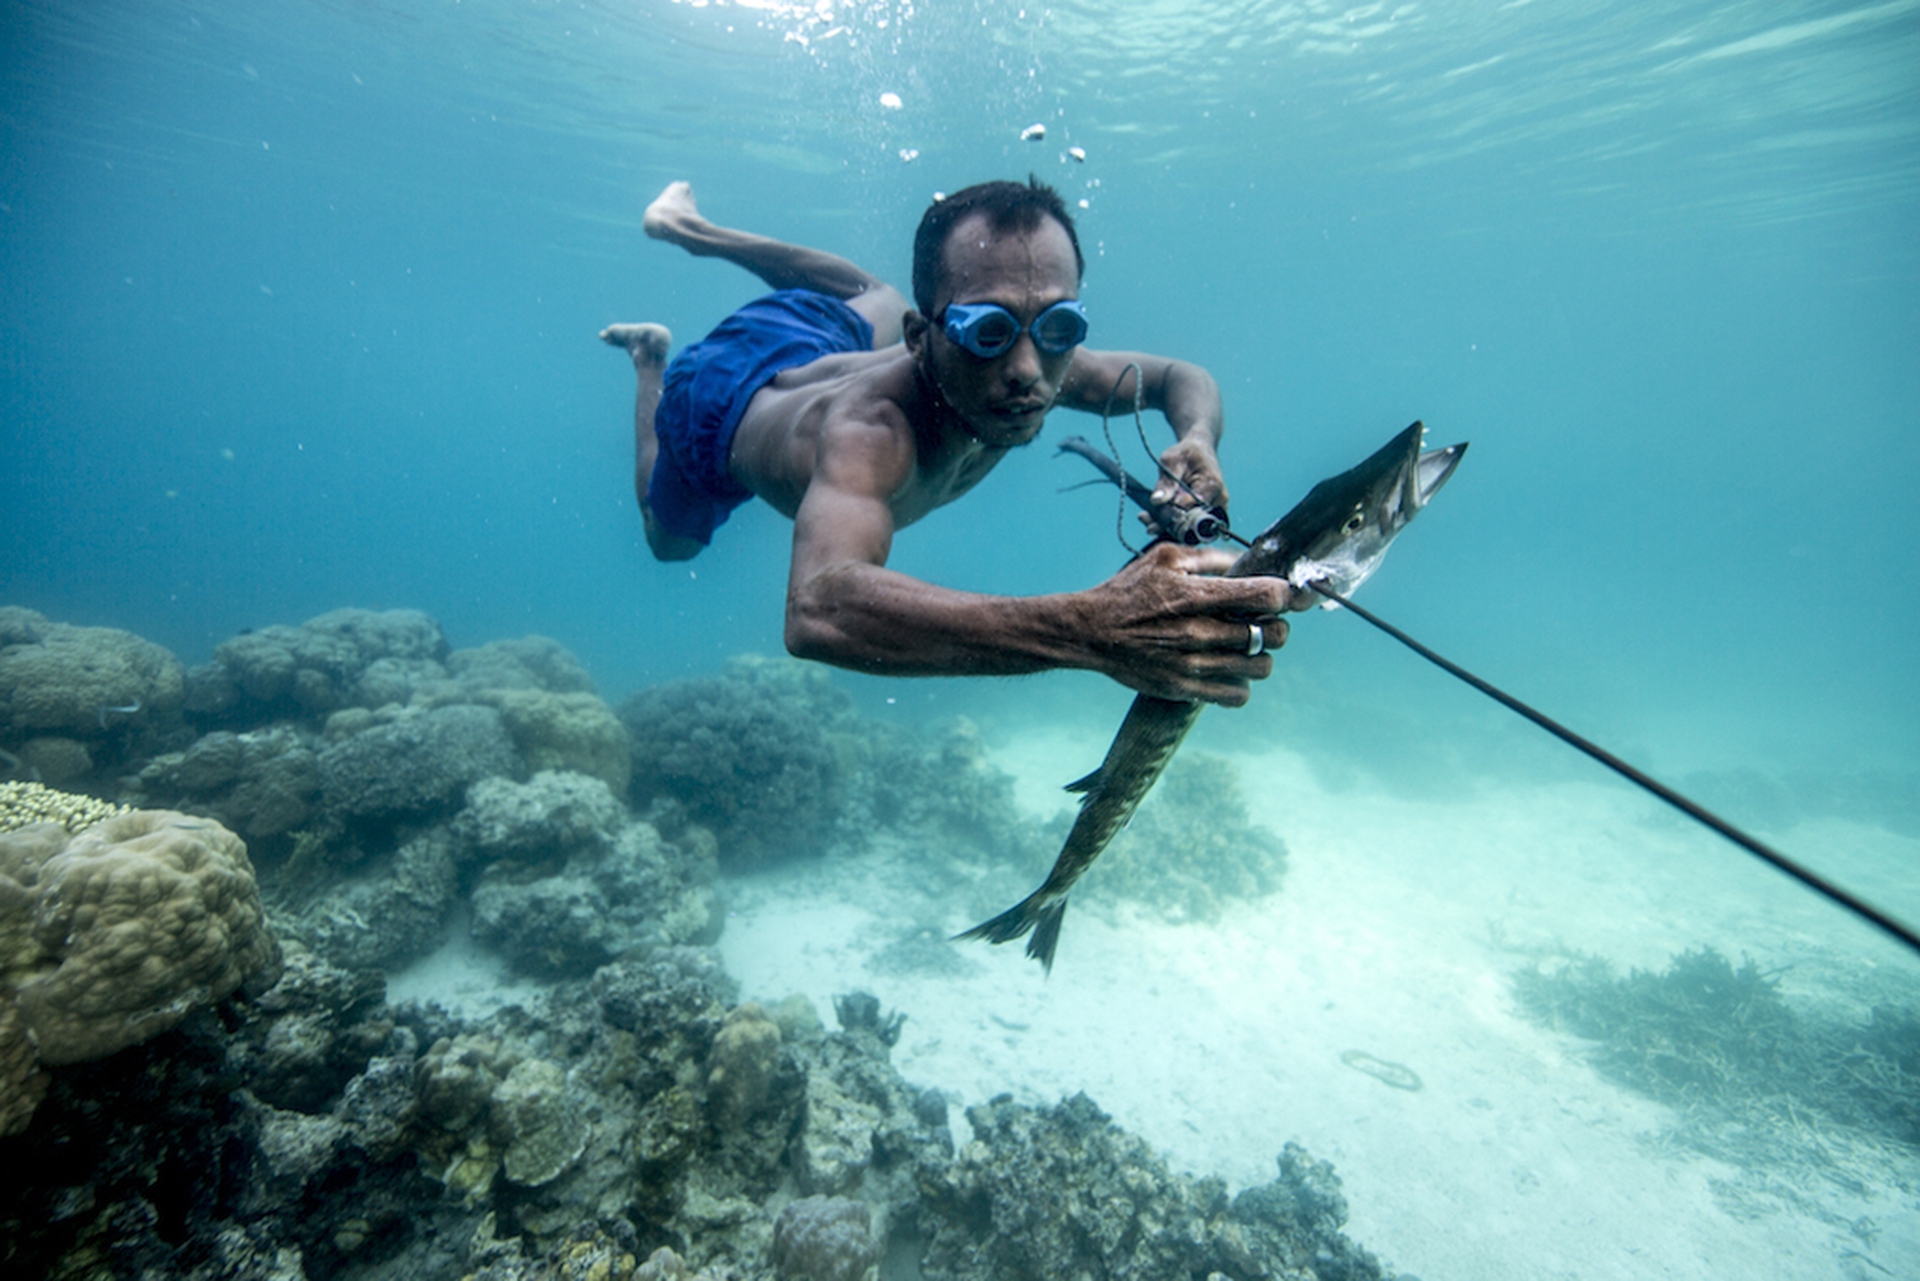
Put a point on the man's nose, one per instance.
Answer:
(1021, 363)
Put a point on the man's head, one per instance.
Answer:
(1006, 206)
(999, 246)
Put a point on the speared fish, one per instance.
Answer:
(1335, 537)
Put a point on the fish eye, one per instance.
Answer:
(1353, 523)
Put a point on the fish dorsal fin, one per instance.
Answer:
(1088, 783)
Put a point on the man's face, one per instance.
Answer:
(1004, 399)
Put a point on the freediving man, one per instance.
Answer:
(855, 414)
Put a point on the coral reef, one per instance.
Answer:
(414, 763)
(528, 662)
(758, 755)
(574, 732)
(824, 1238)
(552, 815)
(346, 658)
(741, 1065)
(393, 911)
(636, 1120)
(536, 1120)
(1062, 1192)
(1743, 1067)
(112, 935)
(76, 703)
(260, 783)
(569, 882)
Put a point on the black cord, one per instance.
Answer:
(1858, 906)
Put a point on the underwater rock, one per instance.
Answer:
(672, 1003)
(664, 1265)
(129, 1156)
(607, 899)
(755, 755)
(260, 783)
(663, 894)
(415, 763)
(938, 790)
(836, 1144)
(81, 681)
(297, 1148)
(865, 1130)
(740, 1067)
(554, 813)
(538, 1122)
(821, 1238)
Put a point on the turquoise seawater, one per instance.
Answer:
(300, 303)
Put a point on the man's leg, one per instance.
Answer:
(647, 345)
(674, 218)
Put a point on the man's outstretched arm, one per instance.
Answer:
(1165, 625)
(1185, 393)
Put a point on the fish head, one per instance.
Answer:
(1339, 533)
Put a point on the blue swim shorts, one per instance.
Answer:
(707, 388)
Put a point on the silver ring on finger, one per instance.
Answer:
(1256, 640)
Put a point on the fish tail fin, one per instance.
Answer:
(1033, 915)
(1046, 933)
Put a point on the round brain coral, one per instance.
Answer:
(139, 919)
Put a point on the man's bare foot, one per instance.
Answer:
(672, 215)
(645, 343)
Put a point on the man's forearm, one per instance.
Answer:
(1190, 399)
(873, 619)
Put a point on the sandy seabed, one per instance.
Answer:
(1394, 934)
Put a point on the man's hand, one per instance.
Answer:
(1169, 626)
(1190, 475)
(1189, 478)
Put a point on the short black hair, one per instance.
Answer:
(1008, 206)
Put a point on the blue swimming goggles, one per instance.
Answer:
(987, 329)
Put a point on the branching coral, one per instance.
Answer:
(23, 804)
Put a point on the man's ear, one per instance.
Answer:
(913, 331)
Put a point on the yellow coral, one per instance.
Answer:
(150, 914)
(22, 804)
(112, 936)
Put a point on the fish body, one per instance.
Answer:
(1337, 535)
